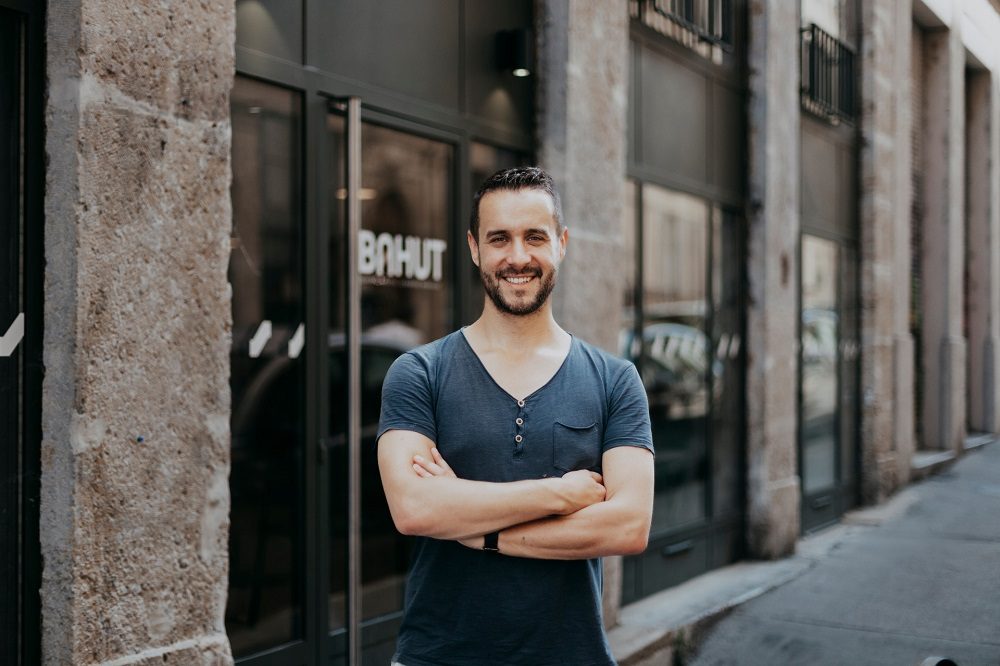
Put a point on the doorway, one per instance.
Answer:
(828, 380)
(305, 485)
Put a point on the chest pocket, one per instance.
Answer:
(576, 447)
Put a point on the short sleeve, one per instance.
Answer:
(407, 398)
(628, 414)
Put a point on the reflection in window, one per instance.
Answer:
(820, 332)
(265, 269)
(676, 352)
(405, 258)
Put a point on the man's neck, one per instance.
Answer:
(516, 333)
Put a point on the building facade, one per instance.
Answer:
(224, 221)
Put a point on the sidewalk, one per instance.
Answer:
(918, 576)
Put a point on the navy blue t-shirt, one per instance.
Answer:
(470, 607)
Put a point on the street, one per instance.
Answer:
(916, 577)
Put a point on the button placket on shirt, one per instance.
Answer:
(519, 429)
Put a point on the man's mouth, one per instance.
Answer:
(518, 279)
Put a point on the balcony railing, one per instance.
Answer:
(828, 86)
(704, 25)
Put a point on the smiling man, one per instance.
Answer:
(518, 454)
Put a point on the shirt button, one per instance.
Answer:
(518, 438)
(519, 421)
(520, 403)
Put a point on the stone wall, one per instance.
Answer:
(885, 335)
(772, 265)
(135, 452)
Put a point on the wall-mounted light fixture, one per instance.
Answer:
(515, 52)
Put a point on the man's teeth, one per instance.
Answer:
(518, 280)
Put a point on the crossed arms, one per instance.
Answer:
(578, 516)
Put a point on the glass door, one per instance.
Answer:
(405, 267)
(828, 380)
(329, 288)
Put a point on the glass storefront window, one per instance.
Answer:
(820, 344)
(676, 352)
(265, 603)
(682, 325)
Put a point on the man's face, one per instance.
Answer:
(518, 250)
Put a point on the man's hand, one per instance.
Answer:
(583, 488)
(428, 468)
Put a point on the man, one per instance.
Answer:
(519, 454)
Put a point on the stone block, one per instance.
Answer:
(136, 451)
(178, 58)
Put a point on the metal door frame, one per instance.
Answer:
(23, 570)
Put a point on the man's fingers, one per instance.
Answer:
(431, 468)
(597, 477)
(439, 459)
(421, 471)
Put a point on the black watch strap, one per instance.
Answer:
(491, 542)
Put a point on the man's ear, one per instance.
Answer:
(563, 242)
(473, 247)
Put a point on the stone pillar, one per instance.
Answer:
(983, 255)
(772, 314)
(885, 96)
(903, 434)
(582, 104)
(135, 455)
(943, 252)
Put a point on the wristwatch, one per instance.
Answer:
(491, 542)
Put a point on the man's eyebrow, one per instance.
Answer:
(495, 233)
(541, 230)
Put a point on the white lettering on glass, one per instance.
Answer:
(13, 336)
(397, 256)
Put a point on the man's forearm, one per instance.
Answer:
(602, 529)
(451, 508)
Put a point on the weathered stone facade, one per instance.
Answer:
(772, 265)
(135, 495)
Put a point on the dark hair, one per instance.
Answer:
(513, 179)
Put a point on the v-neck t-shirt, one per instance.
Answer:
(466, 606)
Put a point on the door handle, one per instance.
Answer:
(677, 548)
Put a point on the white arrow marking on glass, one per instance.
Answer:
(12, 338)
(260, 338)
(297, 342)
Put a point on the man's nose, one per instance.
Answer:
(518, 254)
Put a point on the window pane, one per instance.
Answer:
(266, 534)
(676, 357)
(727, 365)
(819, 363)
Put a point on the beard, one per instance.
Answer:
(491, 284)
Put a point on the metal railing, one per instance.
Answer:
(828, 85)
(704, 26)
(710, 20)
